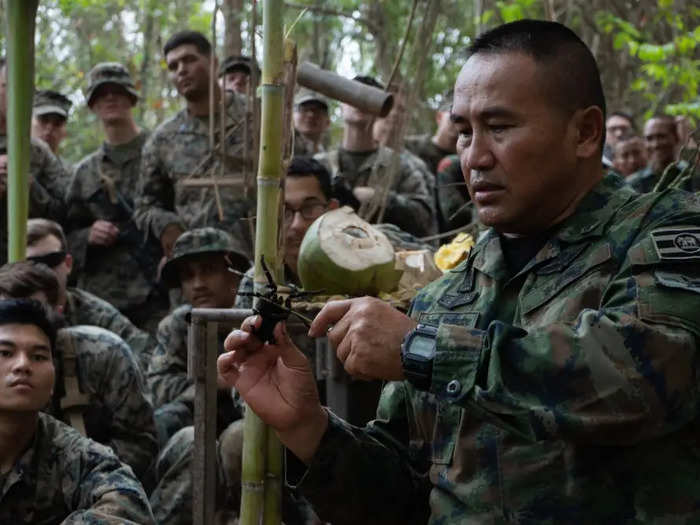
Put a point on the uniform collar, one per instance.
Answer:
(199, 125)
(590, 220)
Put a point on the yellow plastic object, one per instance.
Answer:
(450, 255)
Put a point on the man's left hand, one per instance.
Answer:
(367, 335)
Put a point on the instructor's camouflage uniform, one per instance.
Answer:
(566, 393)
(66, 478)
(103, 187)
(179, 149)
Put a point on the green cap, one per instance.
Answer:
(306, 95)
(110, 73)
(203, 240)
(238, 62)
(47, 102)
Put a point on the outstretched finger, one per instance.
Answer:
(329, 314)
(227, 369)
(243, 342)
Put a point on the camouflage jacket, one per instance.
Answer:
(306, 147)
(46, 191)
(566, 393)
(179, 149)
(423, 147)
(66, 478)
(103, 187)
(117, 412)
(411, 197)
(84, 308)
(167, 373)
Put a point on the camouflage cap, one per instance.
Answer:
(110, 73)
(47, 102)
(306, 95)
(203, 240)
(238, 62)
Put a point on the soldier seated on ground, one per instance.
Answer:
(100, 389)
(49, 473)
(629, 155)
(360, 170)
(46, 244)
(199, 267)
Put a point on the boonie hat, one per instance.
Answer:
(203, 240)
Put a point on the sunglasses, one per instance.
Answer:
(51, 260)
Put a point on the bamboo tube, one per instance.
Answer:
(258, 442)
(21, 22)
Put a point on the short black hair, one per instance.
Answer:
(28, 311)
(303, 166)
(572, 69)
(188, 36)
(368, 80)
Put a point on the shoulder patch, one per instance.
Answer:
(677, 243)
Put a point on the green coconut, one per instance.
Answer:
(343, 254)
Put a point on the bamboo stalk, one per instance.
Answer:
(260, 471)
(21, 23)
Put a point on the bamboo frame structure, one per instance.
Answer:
(261, 478)
(21, 24)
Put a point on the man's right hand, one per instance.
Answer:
(277, 383)
(168, 238)
(103, 233)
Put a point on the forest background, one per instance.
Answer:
(648, 50)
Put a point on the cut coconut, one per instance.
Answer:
(343, 254)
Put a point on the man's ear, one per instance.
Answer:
(589, 124)
(333, 204)
(69, 262)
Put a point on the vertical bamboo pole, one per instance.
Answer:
(262, 452)
(21, 22)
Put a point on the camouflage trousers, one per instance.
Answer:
(171, 500)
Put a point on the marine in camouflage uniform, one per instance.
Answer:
(66, 478)
(48, 180)
(178, 150)
(103, 188)
(424, 147)
(410, 201)
(116, 411)
(646, 179)
(172, 389)
(311, 122)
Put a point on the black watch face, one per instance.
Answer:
(422, 346)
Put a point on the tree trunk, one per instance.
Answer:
(233, 14)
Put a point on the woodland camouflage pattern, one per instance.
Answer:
(645, 179)
(564, 394)
(103, 187)
(84, 308)
(179, 149)
(119, 413)
(49, 180)
(411, 200)
(66, 478)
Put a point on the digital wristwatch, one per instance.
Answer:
(417, 354)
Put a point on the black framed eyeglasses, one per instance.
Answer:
(51, 260)
(309, 211)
